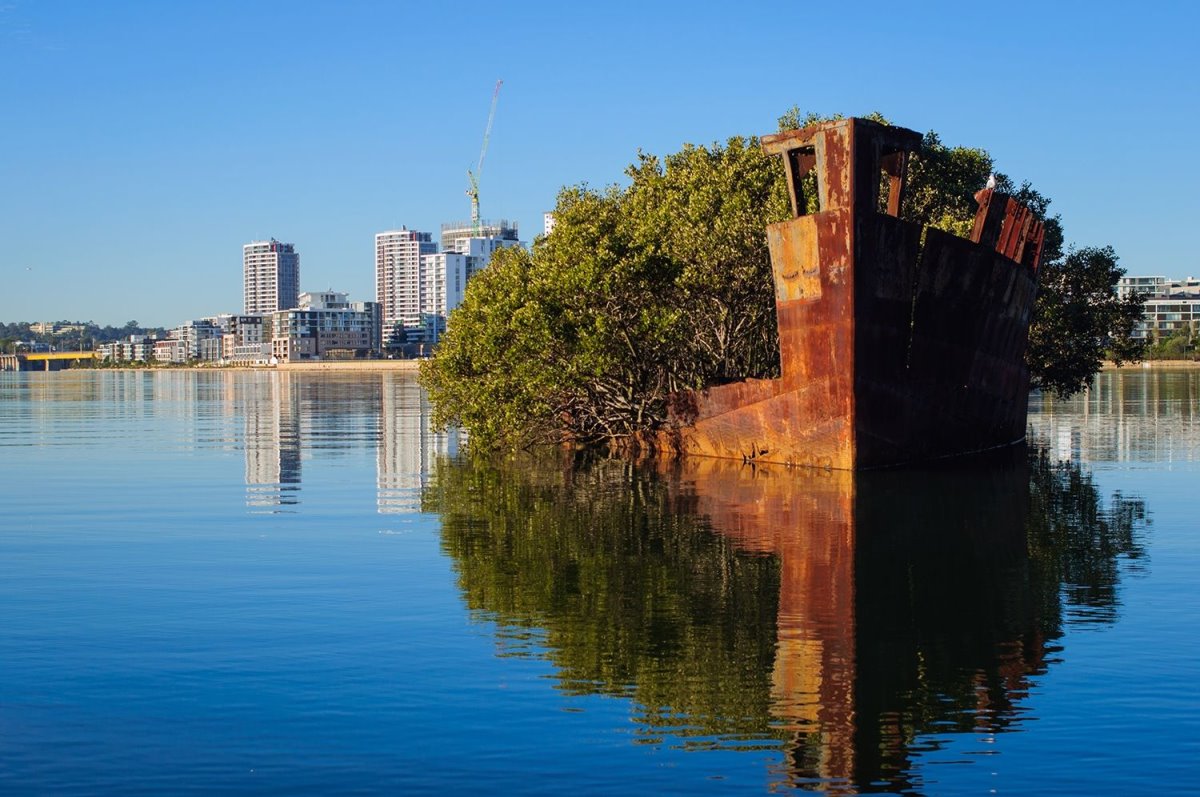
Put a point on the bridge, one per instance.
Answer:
(43, 360)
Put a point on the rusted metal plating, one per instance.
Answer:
(897, 344)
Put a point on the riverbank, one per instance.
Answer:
(324, 365)
(351, 365)
(1155, 364)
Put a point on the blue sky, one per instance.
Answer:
(142, 143)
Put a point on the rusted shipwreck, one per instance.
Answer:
(897, 344)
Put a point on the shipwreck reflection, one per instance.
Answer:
(848, 621)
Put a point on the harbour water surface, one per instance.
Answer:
(260, 582)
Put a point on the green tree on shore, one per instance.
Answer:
(639, 292)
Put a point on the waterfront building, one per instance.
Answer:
(191, 337)
(135, 348)
(418, 286)
(1172, 305)
(271, 276)
(170, 350)
(243, 339)
(443, 280)
(325, 326)
(398, 278)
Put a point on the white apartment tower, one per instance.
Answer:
(398, 275)
(417, 286)
(271, 273)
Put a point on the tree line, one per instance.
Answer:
(90, 334)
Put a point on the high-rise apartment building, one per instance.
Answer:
(455, 234)
(443, 279)
(417, 286)
(271, 272)
(398, 276)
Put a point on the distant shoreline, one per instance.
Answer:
(351, 365)
(415, 365)
(320, 365)
(1150, 364)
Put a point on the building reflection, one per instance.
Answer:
(1131, 415)
(287, 416)
(851, 621)
(270, 408)
(408, 445)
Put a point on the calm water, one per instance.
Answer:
(275, 583)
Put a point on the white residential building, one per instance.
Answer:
(243, 339)
(547, 223)
(170, 350)
(271, 276)
(193, 337)
(479, 251)
(398, 276)
(1155, 286)
(417, 286)
(456, 231)
(136, 348)
(325, 325)
(443, 280)
(1172, 305)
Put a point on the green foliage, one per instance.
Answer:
(1078, 545)
(23, 331)
(639, 292)
(636, 598)
(1079, 320)
(1179, 345)
(666, 284)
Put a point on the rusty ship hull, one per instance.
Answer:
(898, 344)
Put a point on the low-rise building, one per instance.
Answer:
(56, 328)
(325, 326)
(171, 350)
(242, 336)
(192, 336)
(136, 348)
(1171, 306)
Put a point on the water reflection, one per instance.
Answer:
(1144, 415)
(849, 622)
(270, 408)
(277, 419)
(408, 445)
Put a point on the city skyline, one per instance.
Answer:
(131, 133)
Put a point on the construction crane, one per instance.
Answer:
(473, 177)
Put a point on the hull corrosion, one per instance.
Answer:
(897, 344)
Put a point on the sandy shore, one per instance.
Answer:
(352, 365)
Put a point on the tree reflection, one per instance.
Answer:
(848, 620)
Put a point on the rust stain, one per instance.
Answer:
(890, 351)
